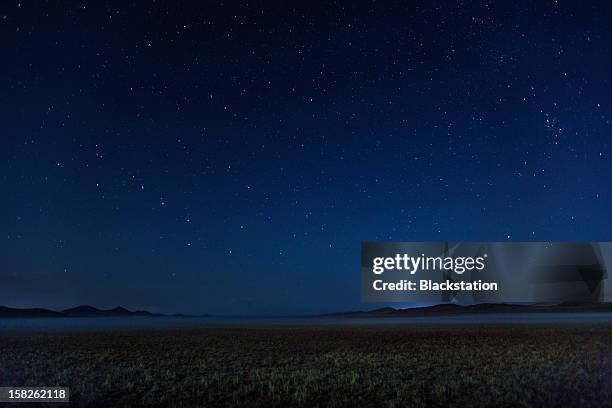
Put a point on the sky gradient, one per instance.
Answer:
(229, 158)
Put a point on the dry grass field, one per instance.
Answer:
(320, 366)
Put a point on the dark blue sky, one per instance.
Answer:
(230, 158)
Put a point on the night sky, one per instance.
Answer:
(230, 157)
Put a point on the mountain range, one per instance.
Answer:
(434, 310)
(480, 308)
(79, 311)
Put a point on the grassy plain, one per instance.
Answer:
(320, 366)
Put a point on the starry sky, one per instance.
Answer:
(230, 157)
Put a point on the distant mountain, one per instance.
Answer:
(35, 312)
(79, 311)
(452, 309)
(90, 311)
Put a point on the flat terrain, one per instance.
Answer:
(387, 366)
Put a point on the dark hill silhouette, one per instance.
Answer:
(79, 311)
(90, 311)
(452, 309)
(434, 310)
(34, 312)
